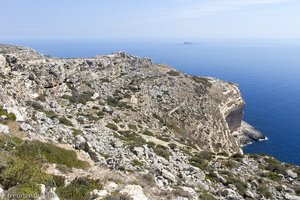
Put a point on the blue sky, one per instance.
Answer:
(117, 19)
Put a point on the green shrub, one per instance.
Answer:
(273, 176)
(46, 152)
(117, 196)
(10, 116)
(173, 73)
(202, 80)
(22, 170)
(31, 190)
(201, 157)
(206, 196)
(240, 185)
(172, 146)
(162, 151)
(78, 189)
(65, 121)
(276, 166)
(76, 132)
(163, 138)
(137, 163)
(112, 126)
(263, 190)
(41, 97)
(132, 126)
(79, 97)
(297, 190)
(147, 132)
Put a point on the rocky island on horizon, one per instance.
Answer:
(122, 127)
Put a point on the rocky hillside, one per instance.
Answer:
(132, 129)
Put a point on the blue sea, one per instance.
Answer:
(268, 73)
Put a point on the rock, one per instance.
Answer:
(47, 193)
(107, 109)
(135, 192)
(192, 192)
(1, 192)
(79, 142)
(14, 110)
(4, 129)
(133, 100)
(291, 197)
(168, 175)
(110, 186)
(3, 118)
(95, 96)
(291, 174)
(26, 127)
(95, 194)
(139, 151)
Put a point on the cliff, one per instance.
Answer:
(129, 115)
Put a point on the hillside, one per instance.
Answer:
(123, 127)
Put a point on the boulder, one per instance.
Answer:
(95, 194)
(168, 175)
(110, 186)
(107, 109)
(4, 129)
(135, 192)
(291, 197)
(139, 151)
(291, 174)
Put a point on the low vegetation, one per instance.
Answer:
(79, 189)
(22, 163)
(10, 116)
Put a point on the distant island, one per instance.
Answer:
(190, 43)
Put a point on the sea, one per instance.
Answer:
(268, 73)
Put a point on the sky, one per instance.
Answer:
(150, 19)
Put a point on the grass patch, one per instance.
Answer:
(49, 153)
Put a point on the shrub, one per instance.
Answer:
(276, 166)
(41, 97)
(240, 185)
(147, 132)
(112, 126)
(206, 196)
(137, 163)
(264, 191)
(79, 97)
(132, 126)
(173, 73)
(10, 116)
(46, 152)
(31, 190)
(117, 196)
(78, 189)
(65, 121)
(162, 151)
(172, 146)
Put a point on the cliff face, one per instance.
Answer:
(131, 116)
(199, 111)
